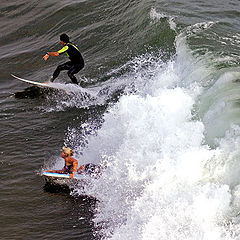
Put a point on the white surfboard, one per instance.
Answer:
(55, 176)
(47, 85)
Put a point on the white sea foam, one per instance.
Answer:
(154, 15)
(162, 180)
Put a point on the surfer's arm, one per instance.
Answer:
(53, 54)
(75, 164)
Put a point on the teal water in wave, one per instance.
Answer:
(160, 109)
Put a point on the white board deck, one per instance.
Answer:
(46, 85)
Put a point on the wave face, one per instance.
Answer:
(165, 179)
(160, 112)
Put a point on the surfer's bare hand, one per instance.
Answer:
(45, 57)
(71, 175)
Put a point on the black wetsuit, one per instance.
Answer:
(75, 64)
(68, 169)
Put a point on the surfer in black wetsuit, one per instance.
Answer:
(73, 66)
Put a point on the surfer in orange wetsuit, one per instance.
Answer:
(70, 162)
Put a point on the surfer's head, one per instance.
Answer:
(67, 150)
(64, 38)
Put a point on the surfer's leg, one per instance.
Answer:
(64, 66)
(73, 78)
(73, 70)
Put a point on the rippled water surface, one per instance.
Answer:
(159, 108)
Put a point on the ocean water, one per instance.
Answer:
(160, 109)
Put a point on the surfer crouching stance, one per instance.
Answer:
(71, 165)
(73, 66)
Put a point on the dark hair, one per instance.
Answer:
(64, 37)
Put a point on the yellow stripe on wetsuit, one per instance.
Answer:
(74, 46)
(65, 48)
